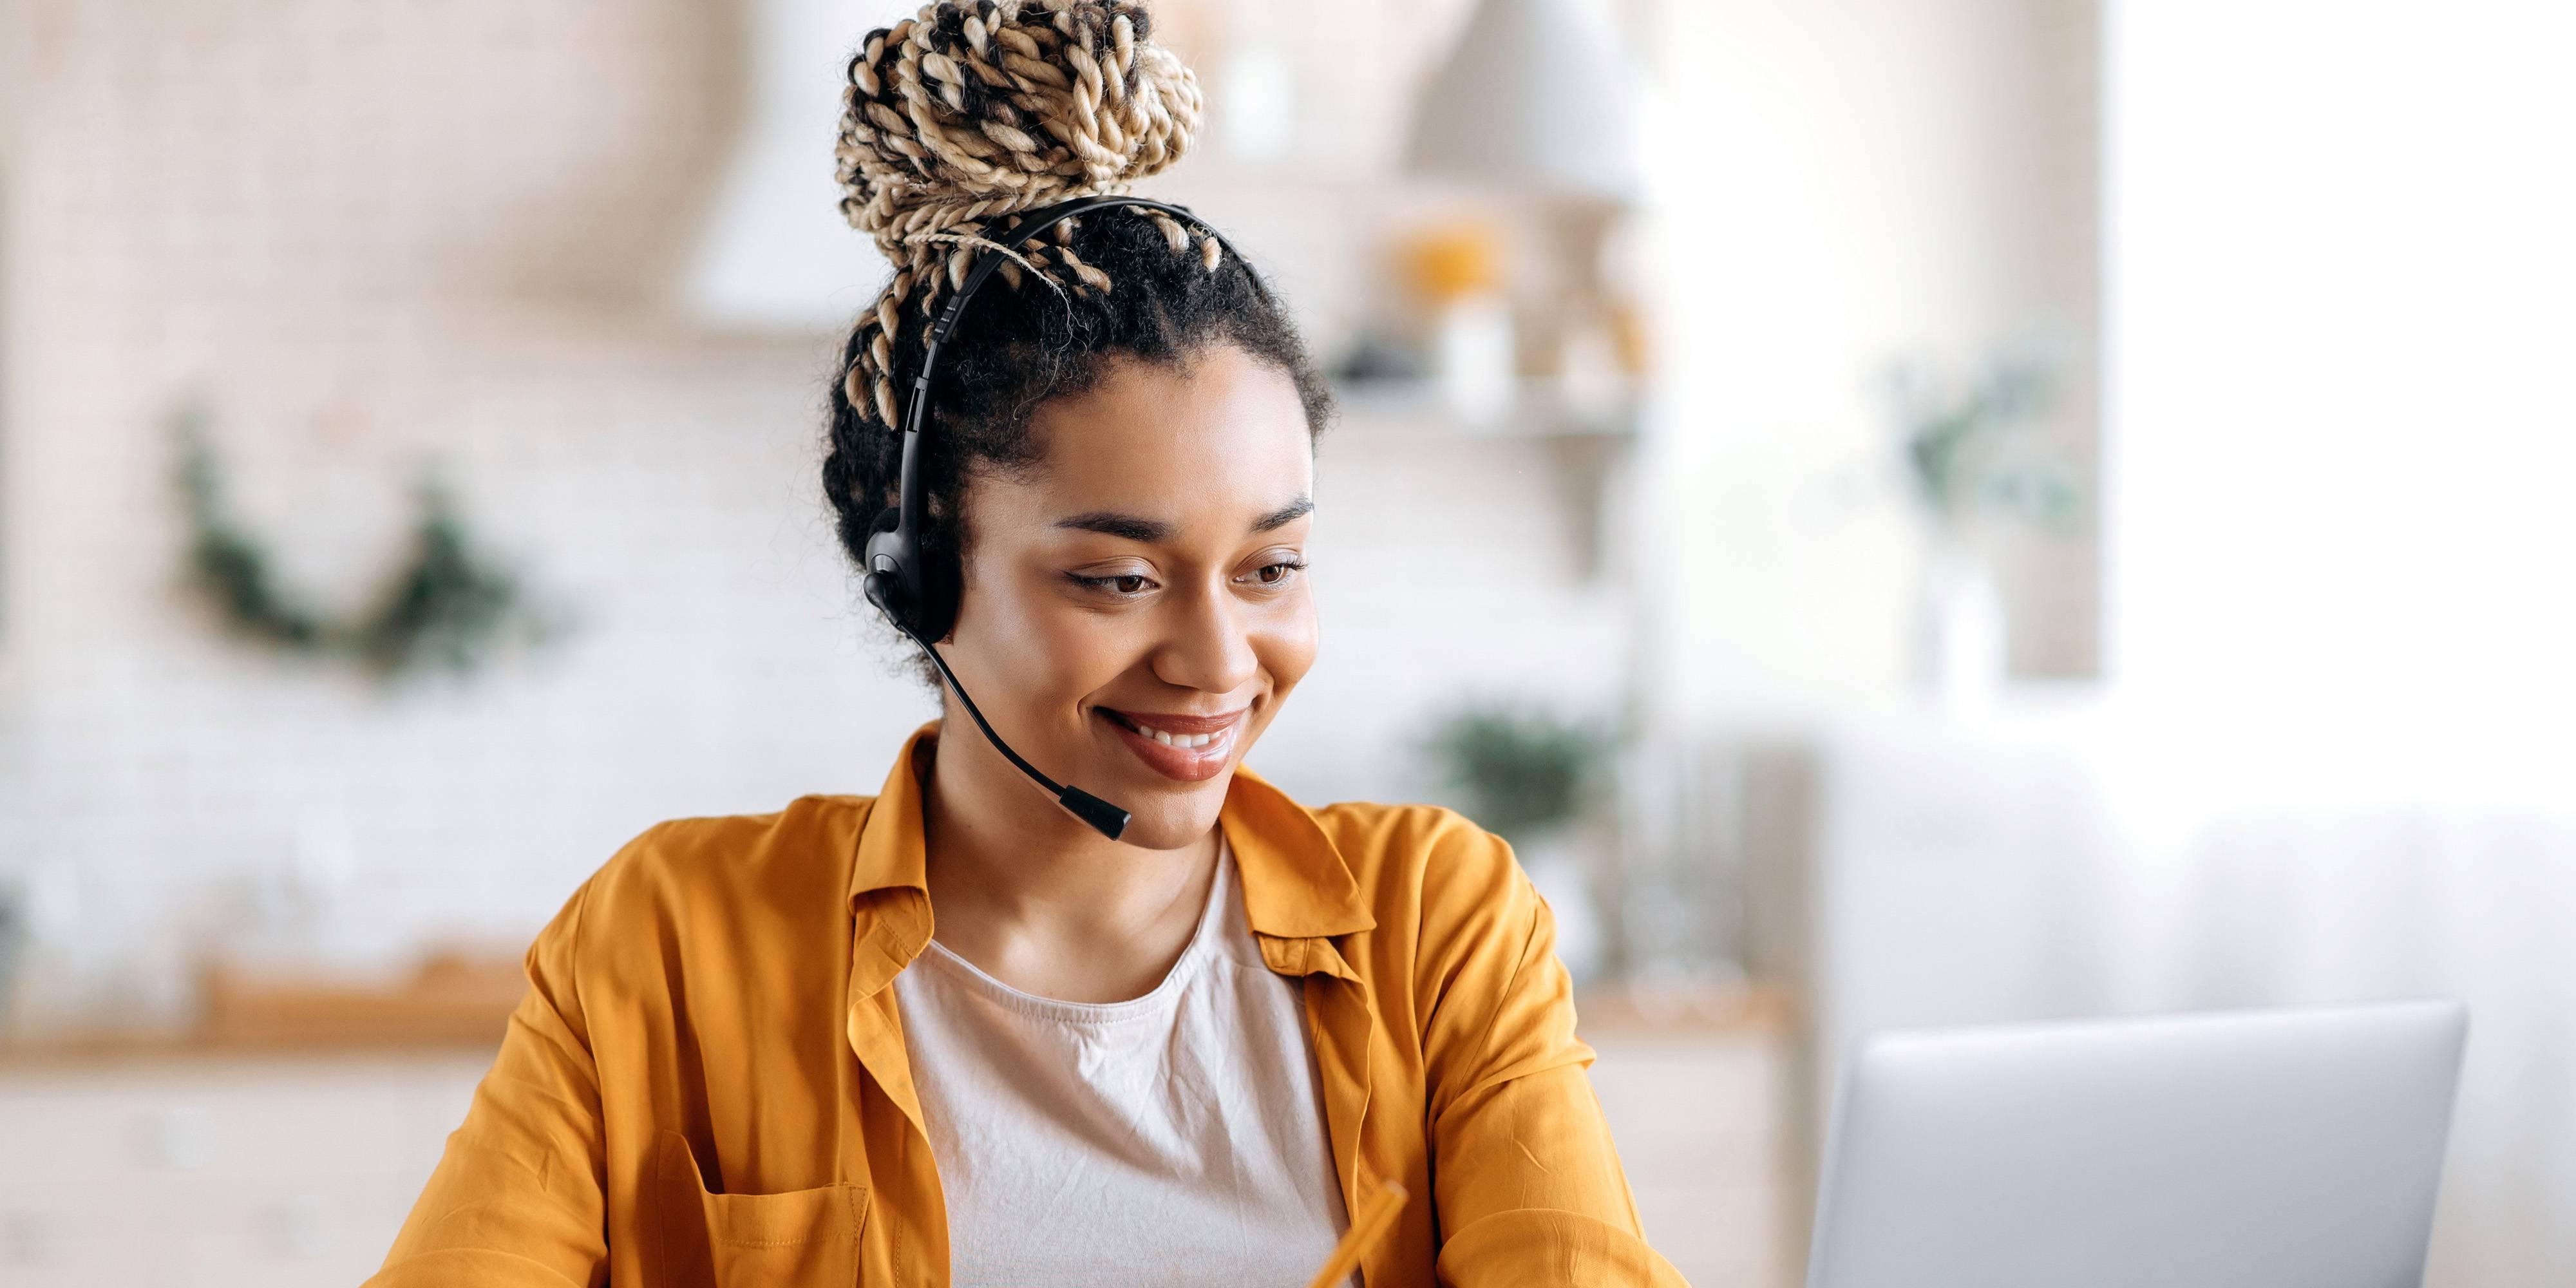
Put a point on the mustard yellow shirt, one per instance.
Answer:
(706, 1083)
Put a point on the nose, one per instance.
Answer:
(1207, 644)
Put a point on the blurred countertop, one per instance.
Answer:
(451, 1003)
(456, 1005)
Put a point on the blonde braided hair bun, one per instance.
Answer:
(974, 110)
(956, 121)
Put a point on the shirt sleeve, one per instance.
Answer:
(1528, 1187)
(517, 1201)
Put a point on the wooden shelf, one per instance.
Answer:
(1539, 409)
(1631, 1012)
(1582, 443)
(452, 1002)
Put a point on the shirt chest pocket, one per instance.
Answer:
(799, 1239)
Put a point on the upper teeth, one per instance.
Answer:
(1175, 739)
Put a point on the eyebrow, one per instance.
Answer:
(1285, 515)
(1113, 524)
(1137, 528)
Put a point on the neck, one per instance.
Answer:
(1004, 858)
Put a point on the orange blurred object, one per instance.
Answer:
(1452, 261)
(1374, 1219)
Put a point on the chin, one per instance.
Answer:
(1170, 819)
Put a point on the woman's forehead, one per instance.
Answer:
(1222, 437)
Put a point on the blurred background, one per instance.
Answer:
(1905, 511)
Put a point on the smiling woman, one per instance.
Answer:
(1181, 1051)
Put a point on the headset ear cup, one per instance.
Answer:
(881, 590)
(891, 582)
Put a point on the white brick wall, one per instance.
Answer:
(365, 235)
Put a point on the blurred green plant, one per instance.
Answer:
(447, 609)
(1520, 771)
(1967, 447)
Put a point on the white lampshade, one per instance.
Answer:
(775, 254)
(1533, 97)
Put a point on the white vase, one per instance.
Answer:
(1472, 354)
(1960, 648)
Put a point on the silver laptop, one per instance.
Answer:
(2254, 1149)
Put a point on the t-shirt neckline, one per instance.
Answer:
(1157, 1000)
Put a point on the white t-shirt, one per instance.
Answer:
(1175, 1138)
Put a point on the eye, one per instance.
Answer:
(1121, 585)
(1276, 573)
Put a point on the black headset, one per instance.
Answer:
(921, 600)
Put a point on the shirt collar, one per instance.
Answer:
(1296, 885)
(891, 849)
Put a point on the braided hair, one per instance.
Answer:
(955, 122)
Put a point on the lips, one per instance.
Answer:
(1187, 748)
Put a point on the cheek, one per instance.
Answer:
(1084, 651)
(1060, 650)
(1286, 643)
(1011, 625)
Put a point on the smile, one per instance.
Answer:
(1188, 748)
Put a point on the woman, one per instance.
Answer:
(751, 1055)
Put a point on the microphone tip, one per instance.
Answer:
(1104, 818)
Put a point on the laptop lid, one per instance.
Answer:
(2236, 1150)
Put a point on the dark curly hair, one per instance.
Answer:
(959, 120)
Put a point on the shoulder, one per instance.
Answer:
(1464, 947)
(1430, 869)
(1414, 845)
(736, 875)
